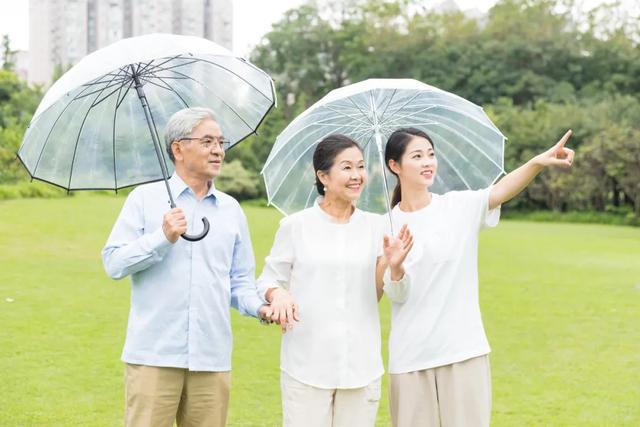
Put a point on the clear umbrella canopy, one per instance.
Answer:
(468, 146)
(90, 130)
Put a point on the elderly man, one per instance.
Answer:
(178, 345)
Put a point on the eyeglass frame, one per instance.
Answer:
(222, 142)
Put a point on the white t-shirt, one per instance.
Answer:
(329, 269)
(440, 323)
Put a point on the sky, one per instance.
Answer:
(252, 18)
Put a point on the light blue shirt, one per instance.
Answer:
(181, 293)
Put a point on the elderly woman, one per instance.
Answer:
(438, 351)
(330, 258)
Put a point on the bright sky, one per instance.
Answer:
(253, 18)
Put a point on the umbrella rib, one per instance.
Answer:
(174, 91)
(222, 68)
(96, 102)
(220, 98)
(165, 77)
(454, 168)
(311, 192)
(473, 144)
(168, 59)
(461, 154)
(167, 87)
(366, 144)
(98, 91)
(102, 78)
(359, 109)
(388, 103)
(51, 131)
(190, 61)
(294, 162)
(406, 103)
(446, 107)
(394, 118)
(113, 139)
(75, 149)
(102, 81)
(355, 128)
(355, 117)
(121, 100)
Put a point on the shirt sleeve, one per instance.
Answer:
(398, 291)
(278, 265)
(244, 297)
(476, 208)
(130, 248)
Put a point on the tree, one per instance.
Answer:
(238, 182)
(7, 54)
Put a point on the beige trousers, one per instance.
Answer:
(307, 406)
(155, 397)
(456, 395)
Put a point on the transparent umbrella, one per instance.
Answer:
(469, 147)
(97, 126)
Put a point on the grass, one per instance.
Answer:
(561, 305)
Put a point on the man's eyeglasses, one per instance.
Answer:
(208, 142)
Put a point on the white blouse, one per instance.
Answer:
(440, 321)
(329, 269)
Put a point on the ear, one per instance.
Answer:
(176, 149)
(394, 166)
(322, 176)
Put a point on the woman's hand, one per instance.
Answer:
(558, 155)
(396, 250)
(513, 183)
(284, 309)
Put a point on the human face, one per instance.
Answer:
(418, 164)
(198, 157)
(347, 176)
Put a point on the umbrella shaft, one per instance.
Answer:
(154, 133)
(384, 177)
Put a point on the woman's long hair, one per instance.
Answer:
(395, 149)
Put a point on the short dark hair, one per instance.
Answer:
(326, 152)
(395, 149)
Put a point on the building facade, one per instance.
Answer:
(61, 32)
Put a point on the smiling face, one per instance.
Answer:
(197, 158)
(346, 177)
(418, 165)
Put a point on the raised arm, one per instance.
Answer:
(516, 181)
(390, 274)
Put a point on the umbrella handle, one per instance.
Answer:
(195, 238)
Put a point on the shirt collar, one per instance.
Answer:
(178, 186)
(328, 218)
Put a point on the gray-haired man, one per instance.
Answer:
(178, 345)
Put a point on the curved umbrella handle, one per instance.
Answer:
(200, 236)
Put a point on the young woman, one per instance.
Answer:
(326, 257)
(438, 350)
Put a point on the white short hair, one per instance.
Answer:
(182, 123)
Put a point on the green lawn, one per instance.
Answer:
(561, 305)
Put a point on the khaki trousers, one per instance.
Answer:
(456, 395)
(307, 406)
(155, 397)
